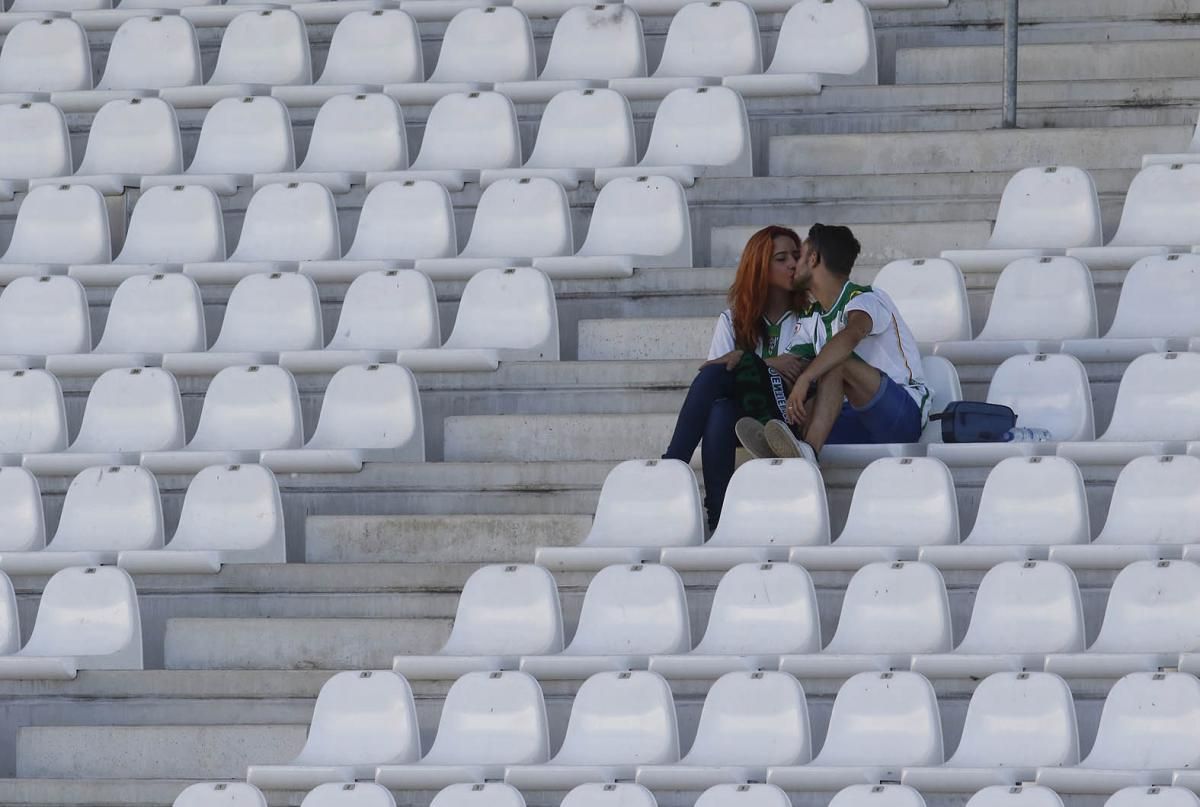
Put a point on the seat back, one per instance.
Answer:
(774, 503)
(884, 719)
(487, 44)
(376, 46)
(1015, 796)
(88, 611)
(44, 315)
(224, 794)
(1159, 399)
(175, 224)
(152, 53)
(648, 503)
(585, 129)
(154, 313)
(272, 311)
(907, 501)
(753, 795)
(410, 219)
(1161, 207)
(594, 794)
(1160, 296)
(753, 718)
(133, 409)
(712, 38)
(1038, 501)
(492, 794)
(931, 296)
(250, 408)
(1149, 720)
(1042, 298)
(60, 224)
(835, 38)
(621, 718)
(508, 309)
(34, 141)
(1048, 391)
(763, 608)
(511, 610)
(944, 387)
(110, 509)
(471, 130)
(894, 608)
(1027, 606)
(45, 56)
(702, 126)
(597, 42)
(358, 133)
(395, 309)
(877, 796)
(21, 509)
(1154, 502)
(375, 408)
(1019, 719)
(527, 218)
(352, 794)
(33, 418)
(1153, 607)
(1048, 207)
(133, 136)
(638, 609)
(233, 507)
(361, 718)
(1153, 797)
(264, 47)
(492, 718)
(249, 135)
(646, 217)
(292, 221)
(10, 628)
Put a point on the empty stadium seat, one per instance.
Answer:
(1148, 728)
(705, 41)
(354, 794)
(32, 414)
(731, 795)
(34, 142)
(1154, 796)
(504, 612)
(1028, 504)
(266, 314)
(877, 796)
(361, 720)
(770, 505)
(40, 316)
(1037, 303)
(285, 223)
(464, 133)
(891, 612)
(931, 296)
(1043, 211)
(44, 56)
(644, 505)
(1023, 610)
(750, 721)
(880, 723)
(352, 134)
(1018, 796)
(489, 720)
(10, 628)
(1155, 412)
(225, 794)
(1159, 216)
(87, 619)
(899, 505)
(231, 514)
(246, 410)
(629, 614)
(21, 509)
(240, 137)
(492, 794)
(259, 49)
(609, 795)
(759, 612)
(591, 44)
(503, 315)
(636, 222)
(57, 225)
(619, 721)
(1016, 722)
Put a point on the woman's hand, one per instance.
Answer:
(796, 413)
(730, 360)
(788, 366)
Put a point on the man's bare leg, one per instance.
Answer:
(854, 381)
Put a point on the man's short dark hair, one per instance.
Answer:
(836, 246)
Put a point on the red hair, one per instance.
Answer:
(748, 294)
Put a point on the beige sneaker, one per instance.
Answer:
(750, 434)
(785, 444)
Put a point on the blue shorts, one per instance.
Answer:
(892, 416)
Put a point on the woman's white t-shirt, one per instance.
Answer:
(776, 337)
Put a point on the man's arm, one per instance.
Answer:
(840, 347)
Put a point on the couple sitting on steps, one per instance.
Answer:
(801, 358)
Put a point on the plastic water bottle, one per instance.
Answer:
(1026, 434)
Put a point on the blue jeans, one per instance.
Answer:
(706, 419)
(891, 416)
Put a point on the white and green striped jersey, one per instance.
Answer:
(775, 336)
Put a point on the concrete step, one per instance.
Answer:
(641, 339)
(542, 438)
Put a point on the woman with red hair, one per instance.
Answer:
(759, 321)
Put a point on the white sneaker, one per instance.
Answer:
(750, 434)
(785, 444)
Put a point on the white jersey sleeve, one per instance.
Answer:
(722, 340)
(870, 304)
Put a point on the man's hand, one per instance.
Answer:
(796, 413)
(729, 360)
(788, 366)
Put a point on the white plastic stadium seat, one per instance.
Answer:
(891, 612)
(705, 41)
(619, 720)
(240, 137)
(40, 316)
(644, 505)
(87, 619)
(609, 795)
(57, 225)
(464, 133)
(43, 56)
(1016, 722)
(370, 413)
(220, 794)
(931, 296)
(877, 796)
(1023, 611)
(629, 614)
(1155, 796)
(503, 315)
(1159, 217)
(1037, 303)
(492, 794)
(636, 222)
(21, 509)
(504, 612)
(10, 628)
(489, 720)
(231, 514)
(1018, 796)
(750, 721)
(354, 794)
(361, 720)
(881, 723)
(1028, 504)
(285, 223)
(34, 142)
(246, 410)
(1043, 211)
(32, 414)
(731, 795)
(900, 504)
(1150, 726)
(759, 612)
